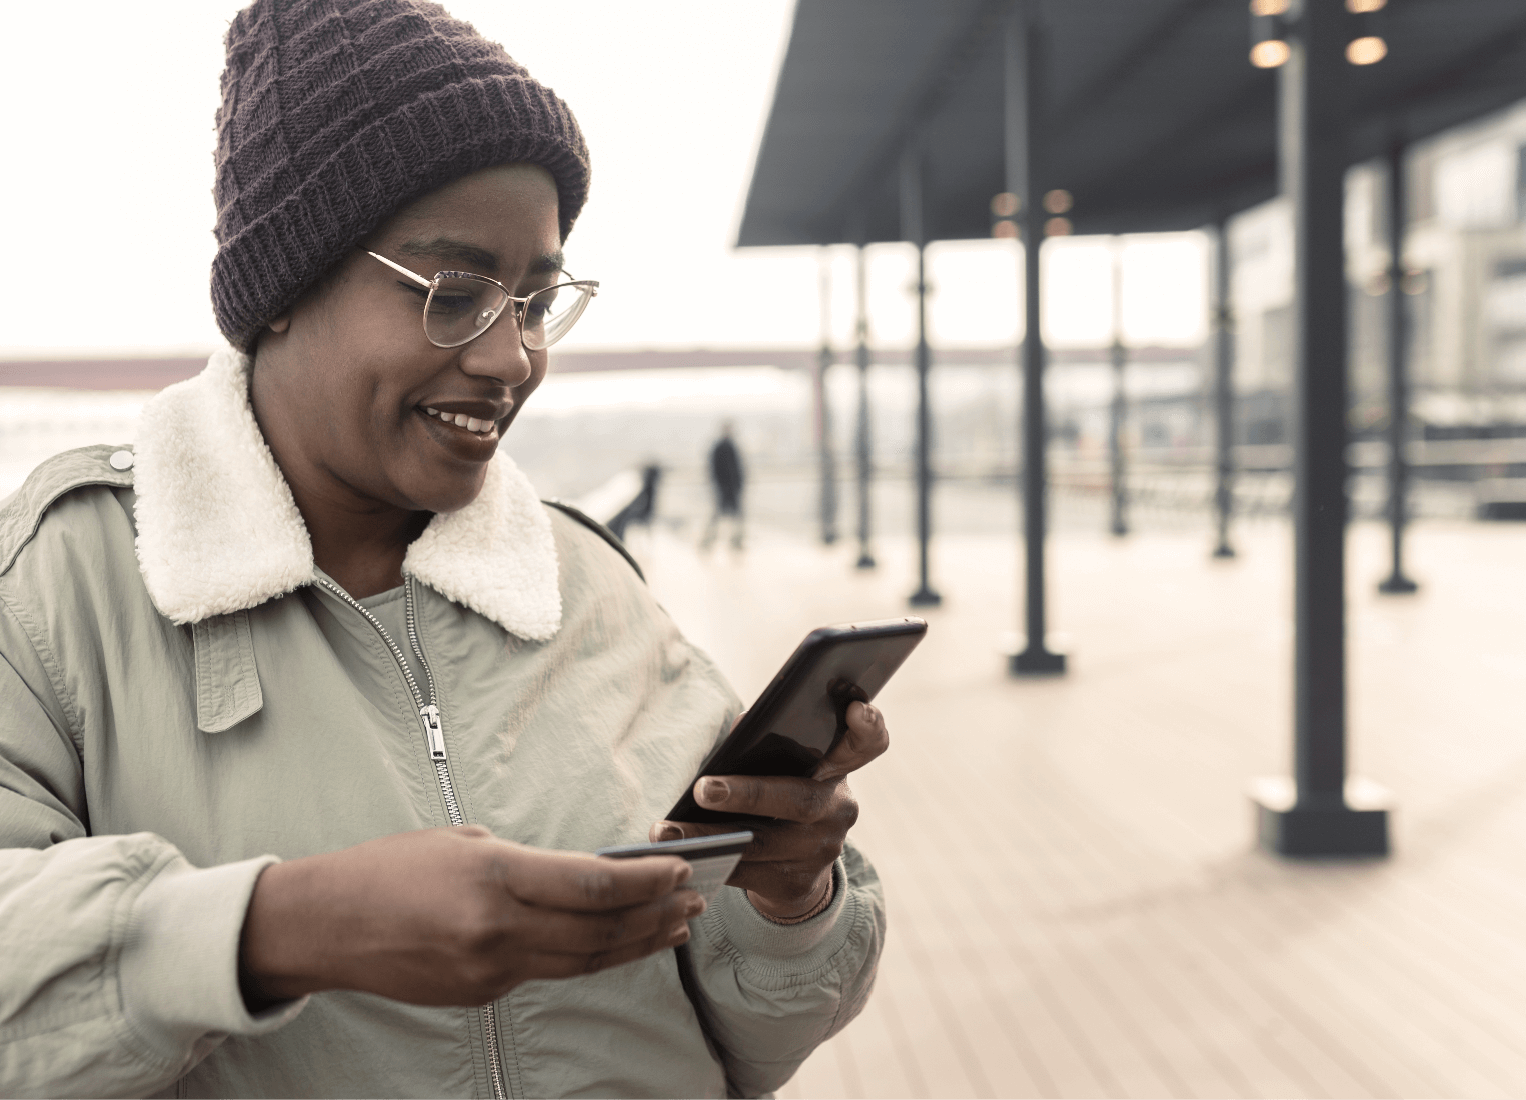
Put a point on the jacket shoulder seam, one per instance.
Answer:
(599, 529)
(50, 664)
(60, 475)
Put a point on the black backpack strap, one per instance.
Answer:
(690, 981)
(599, 529)
(686, 975)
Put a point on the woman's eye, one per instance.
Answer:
(540, 305)
(422, 292)
(451, 304)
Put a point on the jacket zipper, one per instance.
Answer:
(434, 743)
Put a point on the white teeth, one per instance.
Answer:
(470, 423)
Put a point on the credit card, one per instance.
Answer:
(712, 857)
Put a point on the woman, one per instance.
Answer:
(310, 707)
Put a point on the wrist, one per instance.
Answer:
(795, 914)
(275, 960)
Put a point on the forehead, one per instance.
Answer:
(499, 221)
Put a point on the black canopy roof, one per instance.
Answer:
(1153, 117)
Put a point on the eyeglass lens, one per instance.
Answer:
(551, 312)
(460, 308)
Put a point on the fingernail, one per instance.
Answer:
(695, 907)
(680, 934)
(713, 790)
(669, 832)
(684, 873)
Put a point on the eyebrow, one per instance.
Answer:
(447, 248)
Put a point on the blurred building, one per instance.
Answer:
(1465, 290)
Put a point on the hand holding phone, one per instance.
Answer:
(781, 770)
(802, 714)
(787, 869)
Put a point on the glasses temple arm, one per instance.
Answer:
(401, 270)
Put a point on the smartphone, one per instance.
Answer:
(803, 712)
(712, 857)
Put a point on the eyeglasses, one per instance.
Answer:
(460, 306)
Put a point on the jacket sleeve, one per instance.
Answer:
(118, 959)
(777, 991)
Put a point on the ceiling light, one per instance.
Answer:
(1269, 54)
(1366, 51)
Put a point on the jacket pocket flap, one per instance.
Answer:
(227, 681)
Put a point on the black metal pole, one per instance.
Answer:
(914, 229)
(1312, 150)
(1118, 410)
(1023, 53)
(823, 408)
(861, 439)
(1398, 378)
(1223, 390)
(1314, 178)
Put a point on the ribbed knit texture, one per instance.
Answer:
(336, 113)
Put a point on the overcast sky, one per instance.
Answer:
(109, 173)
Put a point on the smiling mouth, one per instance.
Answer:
(461, 420)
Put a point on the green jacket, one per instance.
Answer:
(185, 699)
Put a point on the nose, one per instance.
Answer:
(499, 353)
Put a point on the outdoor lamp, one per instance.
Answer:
(1268, 33)
(1271, 23)
(1057, 202)
(1004, 207)
(1367, 45)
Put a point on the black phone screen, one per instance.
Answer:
(802, 713)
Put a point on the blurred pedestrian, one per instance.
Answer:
(726, 478)
(641, 509)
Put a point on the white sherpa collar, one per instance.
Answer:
(218, 530)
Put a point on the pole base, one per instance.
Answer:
(865, 561)
(924, 597)
(1223, 550)
(1030, 660)
(1398, 585)
(1357, 825)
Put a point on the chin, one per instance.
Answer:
(448, 492)
(451, 502)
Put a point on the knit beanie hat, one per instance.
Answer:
(336, 113)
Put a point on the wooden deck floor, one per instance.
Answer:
(1076, 908)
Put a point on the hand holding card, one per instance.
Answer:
(713, 858)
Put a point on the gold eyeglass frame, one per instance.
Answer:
(590, 287)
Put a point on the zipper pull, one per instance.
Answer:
(433, 736)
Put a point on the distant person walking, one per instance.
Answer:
(726, 478)
(640, 510)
